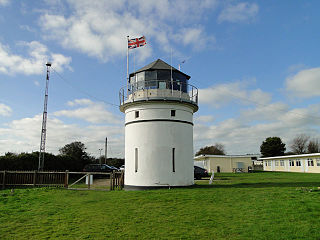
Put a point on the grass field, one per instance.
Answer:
(237, 206)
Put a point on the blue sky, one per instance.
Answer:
(255, 64)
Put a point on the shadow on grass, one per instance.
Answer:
(259, 185)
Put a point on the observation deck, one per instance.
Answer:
(158, 90)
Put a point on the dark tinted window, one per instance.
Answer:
(163, 74)
(151, 75)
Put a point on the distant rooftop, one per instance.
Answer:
(292, 156)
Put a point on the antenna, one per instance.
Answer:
(181, 64)
(171, 72)
(44, 122)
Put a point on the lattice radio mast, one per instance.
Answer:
(44, 122)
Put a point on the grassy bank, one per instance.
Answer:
(236, 206)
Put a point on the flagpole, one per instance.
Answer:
(127, 64)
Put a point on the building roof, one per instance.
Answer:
(158, 65)
(226, 156)
(291, 156)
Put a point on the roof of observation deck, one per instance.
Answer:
(159, 65)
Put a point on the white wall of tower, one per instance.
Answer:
(154, 134)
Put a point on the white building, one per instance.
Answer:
(293, 163)
(226, 163)
(158, 106)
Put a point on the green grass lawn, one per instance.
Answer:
(236, 206)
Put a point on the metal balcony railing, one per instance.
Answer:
(158, 89)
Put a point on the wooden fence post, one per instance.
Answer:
(122, 180)
(4, 180)
(34, 178)
(111, 177)
(66, 179)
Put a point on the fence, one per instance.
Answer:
(11, 179)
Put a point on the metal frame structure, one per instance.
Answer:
(44, 122)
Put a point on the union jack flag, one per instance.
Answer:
(136, 42)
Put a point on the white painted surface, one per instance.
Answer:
(155, 140)
(89, 178)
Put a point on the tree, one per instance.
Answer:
(79, 157)
(272, 146)
(299, 144)
(314, 146)
(217, 149)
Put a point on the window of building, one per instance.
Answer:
(298, 163)
(281, 163)
(136, 159)
(173, 160)
(277, 163)
(137, 114)
(318, 162)
(310, 162)
(269, 163)
(173, 113)
(266, 163)
(291, 163)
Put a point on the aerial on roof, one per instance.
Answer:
(158, 65)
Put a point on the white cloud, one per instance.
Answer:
(244, 134)
(5, 110)
(196, 37)
(268, 112)
(204, 119)
(223, 94)
(241, 12)
(81, 102)
(23, 135)
(305, 83)
(4, 2)
(99, 28)
(92, 112)
(33, 64)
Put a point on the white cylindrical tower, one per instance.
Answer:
(158, 107)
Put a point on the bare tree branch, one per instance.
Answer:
(299, 144)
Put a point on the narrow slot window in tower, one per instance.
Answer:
(173, 160)
(173, 113)
(136, 114)
(136, 159)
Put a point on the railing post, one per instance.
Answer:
(66, 179)
(4, 180)
(89, 180)
(192, 93)
(34, 178)
(171, 87)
